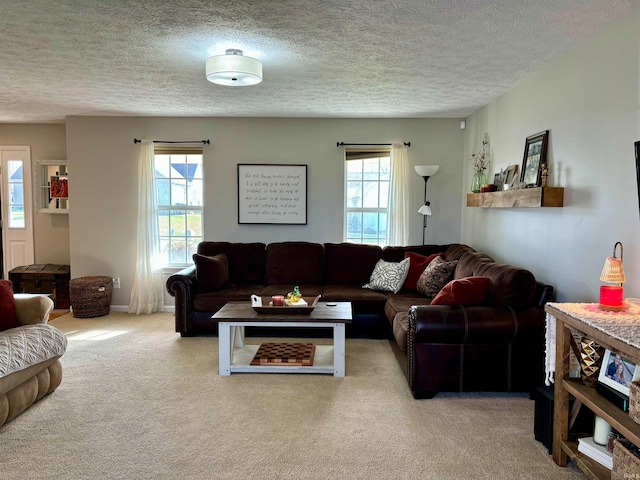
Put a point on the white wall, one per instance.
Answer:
(103, 161)
(589, 100)
(47, 142)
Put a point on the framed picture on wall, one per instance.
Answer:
(637, 148)
(535, 154)
(272, 194)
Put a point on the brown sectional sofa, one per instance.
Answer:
(495, 346)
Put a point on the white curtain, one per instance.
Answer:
(147, 292)
(398, 220)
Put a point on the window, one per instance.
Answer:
(16, 194)
(367, 196)
(179, 194)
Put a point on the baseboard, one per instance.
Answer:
(124, 308)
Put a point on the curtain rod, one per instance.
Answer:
(206, 142)
(342, 144)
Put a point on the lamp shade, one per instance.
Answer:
(612, 271)
(426, 170)
(233, 69)
(425, 210)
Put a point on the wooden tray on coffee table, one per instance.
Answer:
(288, 309)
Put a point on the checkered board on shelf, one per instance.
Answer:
(291, 354)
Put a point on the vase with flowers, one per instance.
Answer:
(480, 162)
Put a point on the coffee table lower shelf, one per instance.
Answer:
(235, 357)
(241, 362)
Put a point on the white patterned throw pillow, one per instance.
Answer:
(388, 276)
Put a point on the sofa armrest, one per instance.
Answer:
(445, 324)
(31, 310)
(183, 286)
(544, 293)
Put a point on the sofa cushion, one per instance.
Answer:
(295, 263)
(435, 276)
(508, 284)
(246, 260)
(394, 253)
(7, 306)
(470, 264)
(33, 309)
(350, 263)
(362, 300)
(416, 266)
(308, 291)
(388, 276)
(212, 273)
(400, 303)
(465, 291)
(400, 328)
(456, 250)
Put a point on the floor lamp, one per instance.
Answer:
(425, 171)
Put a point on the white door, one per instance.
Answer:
(17, 207)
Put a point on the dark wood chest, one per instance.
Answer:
(49, 278)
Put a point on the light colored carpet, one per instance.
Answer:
(137, 401)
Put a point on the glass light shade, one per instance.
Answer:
(425, 210)
(233, 69)
(426, 170)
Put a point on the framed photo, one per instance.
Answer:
(498, 180)
(272, 194)
(535, 154)
(511, 173)
(617, 372)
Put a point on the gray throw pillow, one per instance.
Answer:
(435, 276)
(388, 276)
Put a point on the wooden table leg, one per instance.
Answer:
(561, 396)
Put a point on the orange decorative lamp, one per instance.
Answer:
(611, 297)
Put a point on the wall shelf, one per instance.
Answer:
(525, 198)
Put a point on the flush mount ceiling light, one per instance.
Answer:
(234, 69)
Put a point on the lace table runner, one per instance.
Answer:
(623, 326)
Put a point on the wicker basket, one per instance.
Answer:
(90, 296)
(634, 401)
(625, 464)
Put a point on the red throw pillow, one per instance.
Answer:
(7, 306)
(417, 264)
(465, 291)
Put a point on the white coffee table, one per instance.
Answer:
(235, 355)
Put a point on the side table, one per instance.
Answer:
(43, 278)
(618, 332)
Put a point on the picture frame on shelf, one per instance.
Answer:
(498, 180)
(617, 372)
(535, 154)
(511, 173)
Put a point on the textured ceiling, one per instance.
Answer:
(321, 58)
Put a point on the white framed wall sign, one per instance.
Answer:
(272, 194)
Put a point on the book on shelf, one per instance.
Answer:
(599, 453)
